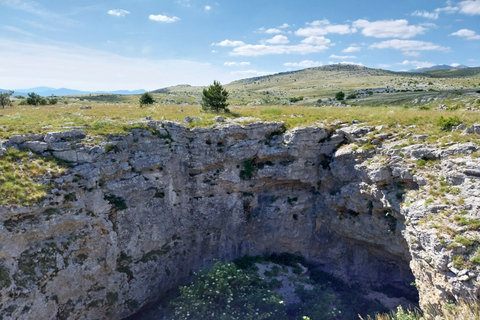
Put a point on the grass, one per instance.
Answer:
(106, 118)
(22, 174)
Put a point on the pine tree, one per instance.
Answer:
(215, 98)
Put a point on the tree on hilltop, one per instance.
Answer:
(215, 98)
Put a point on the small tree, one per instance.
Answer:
(215, 98)
(340, 95)
(146, 98)
(5, 99)
(52, 99)
(35, 99)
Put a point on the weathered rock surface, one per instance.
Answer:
(134, 217)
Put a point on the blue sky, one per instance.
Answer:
(147, 44)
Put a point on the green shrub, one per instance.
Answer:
(227, 293)
(340, 95)
(446, 124)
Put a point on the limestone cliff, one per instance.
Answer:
(137, 214)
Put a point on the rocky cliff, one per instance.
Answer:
(136, 214)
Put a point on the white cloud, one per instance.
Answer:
(416, 64)
(236, 64)
(229, 43)
(261, 49)
(71, 66)
(273, 31)
(324, 27)
(425, 14)
(388, 28)
(467, 34)
(347, 63)
(249, 73)
(334, 56)
(470, 7)
(352, 49)
(303, 64)
(455, 65)
(278, 39)
(314, 40)
(118, 12)
(435, 14)
(409, 47)
(283, 26)
(208, 8)
(162, 18)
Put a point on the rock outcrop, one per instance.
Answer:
(135, 216)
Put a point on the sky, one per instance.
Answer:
(152, 44)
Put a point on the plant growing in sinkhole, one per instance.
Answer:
(226, 292)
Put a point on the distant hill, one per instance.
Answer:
(47, 91)
(452, 73)
(439, 67)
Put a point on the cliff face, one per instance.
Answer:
(135, 217)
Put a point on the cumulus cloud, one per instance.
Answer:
(229, 43)
(278, 39)
(351, 49)
(324, 27)
(208, 8)
(314, 40)
(347, 63)
(409, 47)
(303, 64)
(273, 31)
(262, 49)
(470, 7)
(334, 56)
(426, 14)
(162, 18)
(118, 12)
(248, 73)
(467, 34)
(416, 64)
(388, 28)
(436, 13)
(276, 30)
(455, 65)
(236, 64)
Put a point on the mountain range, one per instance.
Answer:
(48, 91)
(434, 71)
(439, 67)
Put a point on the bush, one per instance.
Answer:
(215, 98)
(340, 95)
(351, 96)
(146, 98)
(295, 99)
(446, 124)
(35, 99)
(226, 292)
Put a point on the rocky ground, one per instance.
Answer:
(137, 213)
